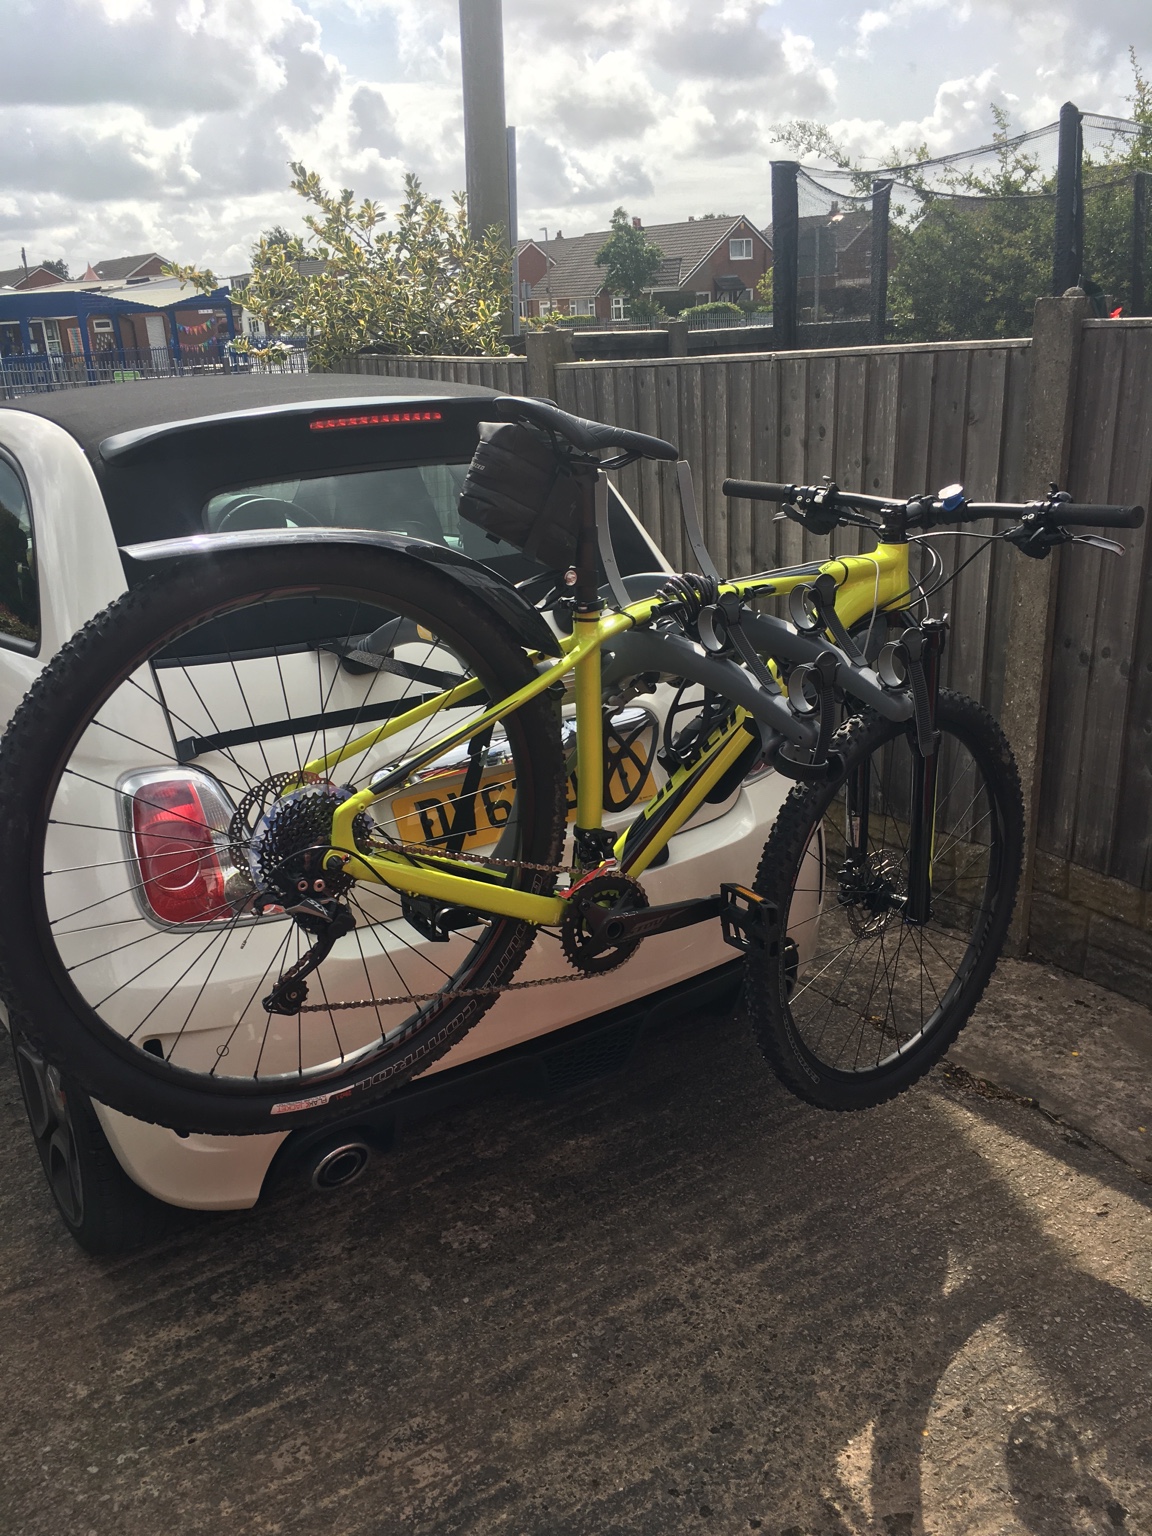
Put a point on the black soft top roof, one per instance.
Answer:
(106, 410)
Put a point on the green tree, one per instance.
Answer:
(631, 260)
(277, 235)
(423, 285)
(59, 266)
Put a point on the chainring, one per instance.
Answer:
(595, 898)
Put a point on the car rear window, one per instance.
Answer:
(421, 501)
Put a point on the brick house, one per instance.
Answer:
(704, 260)
(130, 269)
(23, 278)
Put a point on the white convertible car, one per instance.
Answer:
(233, 453)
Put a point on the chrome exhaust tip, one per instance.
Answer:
(338, 1163)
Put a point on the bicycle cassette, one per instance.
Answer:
(586, 930)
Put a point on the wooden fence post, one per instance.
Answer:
(543, 350)
(1056, 337)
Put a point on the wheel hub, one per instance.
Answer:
(873, 893)
(289, 855)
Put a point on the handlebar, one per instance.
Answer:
(759, 490)
(1072, 514)
(1061, 514)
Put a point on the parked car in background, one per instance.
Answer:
(89, 473)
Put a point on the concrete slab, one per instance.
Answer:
(678, 1301)
(1083, 1053)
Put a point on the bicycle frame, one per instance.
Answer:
(865, 584)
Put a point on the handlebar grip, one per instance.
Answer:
(758, 490)
(1073, 515)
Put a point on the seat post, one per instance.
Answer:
(589, 727)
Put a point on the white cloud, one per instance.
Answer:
(168, 124)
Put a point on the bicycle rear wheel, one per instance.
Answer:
(861, 1000)
(180, 760)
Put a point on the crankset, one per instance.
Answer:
(609, 915)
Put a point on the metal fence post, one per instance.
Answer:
(513, 230)
(785, 254)
(1068, 252)
(1138, 294)
(881, 209)
(1056, 336)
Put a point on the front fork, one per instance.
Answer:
(922, 649)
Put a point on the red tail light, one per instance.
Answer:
(180, 873)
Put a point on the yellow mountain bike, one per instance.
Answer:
(281, 824)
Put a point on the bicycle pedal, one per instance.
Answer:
(749, 922)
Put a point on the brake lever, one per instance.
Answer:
(1110, 545)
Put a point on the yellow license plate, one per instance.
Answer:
(428, 815)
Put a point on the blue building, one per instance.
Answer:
(70, 332)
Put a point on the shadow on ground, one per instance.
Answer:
(678, 1301)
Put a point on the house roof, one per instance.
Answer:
(573, 272)
(12, 277)
(848, 225)
(124, 266)
(86, 299)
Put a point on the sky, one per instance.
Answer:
(139, 125)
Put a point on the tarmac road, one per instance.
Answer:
(678, 1301)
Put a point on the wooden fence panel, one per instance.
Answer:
(506, 374)
(1093, 435)
(765, 460)
(666, 528)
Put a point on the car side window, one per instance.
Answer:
(19, 593)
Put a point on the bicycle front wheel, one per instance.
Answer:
(163, 790)
(861, 999)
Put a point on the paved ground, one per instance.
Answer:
(676, 1302)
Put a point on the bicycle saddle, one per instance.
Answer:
(585, 435)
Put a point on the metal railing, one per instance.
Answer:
(40, 373)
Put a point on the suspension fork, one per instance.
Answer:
(924, 673)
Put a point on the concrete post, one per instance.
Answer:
(677, 338)
(1056, 336)
(544, 350)
(485, 137)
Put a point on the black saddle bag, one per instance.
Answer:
(517, 490)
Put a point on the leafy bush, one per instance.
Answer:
(425, 286)
(541, 322)
(716, 307)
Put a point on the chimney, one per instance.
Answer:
(636, 224)
(559, 234)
